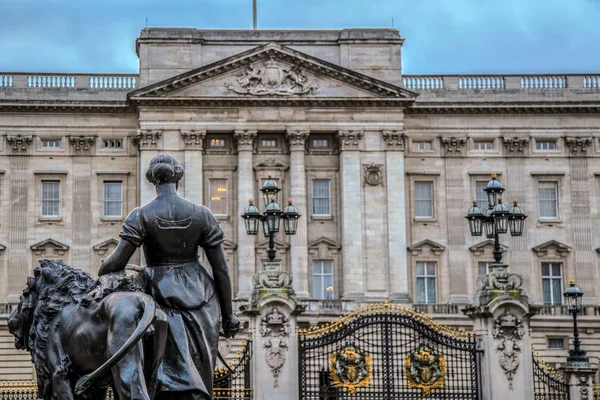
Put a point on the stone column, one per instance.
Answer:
(148, 145)
(501, 316)
(299, 241)
(245, 189)
(396, 216)
(351, 214)
(194, 181)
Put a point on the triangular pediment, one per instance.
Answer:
(227, 245)
(263, 244)
(559, 249)
(323, 240)
(435, 248)
(479, 248)
(275, 73)
(105, 244)
(45, 246)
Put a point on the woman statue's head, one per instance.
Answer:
(164, 168)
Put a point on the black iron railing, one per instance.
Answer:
(548, 384)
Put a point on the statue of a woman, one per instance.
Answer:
(170, 229)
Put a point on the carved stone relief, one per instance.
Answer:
(454, 146)
(584, 387)
(373, 174)
(578, 145)
(19, 143)
(148, 139)
(193, 140)
(350, 140)
(275, 327)
(297, 138)
(271, 78)
(499, 279)
(82, 144)
(244, 139)
(508, 332)
(515, 145)
(394, 140)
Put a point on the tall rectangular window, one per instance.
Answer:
(426, 283)
(113, 199)
(481, 195)
(321, 197)
(552, 286)
(483, 268)
(545, 144)
(424, 199)
(548, 193)
(217, 192)
(50, 198)
(322, 277)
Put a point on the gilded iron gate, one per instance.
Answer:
(548, 384)
(387, 352)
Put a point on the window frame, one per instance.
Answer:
(320, 150)
(210, 180)
(312, 197)
(56, 141)
(104, 200)
(57, 200)
(549, 338)
(479, 141)
(323, 274)
(416, 146)
(64, 202)
(539, 142)
(119, 140)
(556, 200)
(487, 267)
(431, 181)
(552, 278)
(426, 276)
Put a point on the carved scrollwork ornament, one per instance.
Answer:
(373, 174)
(350, 139)
(148, 139)
(297, 137)
(273, 280)
(508, 332)
(425, 369)
(244, 138)
(276, 328)
(193, 139)
(394, 140)
(584, 389)
(499, 279)
(350, 368)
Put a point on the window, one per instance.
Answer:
(216, 143)
(50, 198)
(483, 145)
(50, 143)
(424, 199)
(426, 292)
(268, 143)
(322, 280)
(321, 196)
(320, 143)
(548, 192)
(481, 195)
(422, 146)
(217, 192)
(545, 144)
(556, 343)
(113, 199)
(552, 286)
(483, 268)
(113, 144)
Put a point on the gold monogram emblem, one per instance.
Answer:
(425, 369)
(350, 368)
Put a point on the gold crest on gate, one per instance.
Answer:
(425, 369)
(350, 368)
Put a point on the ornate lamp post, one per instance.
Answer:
(271, 216)
(574, 295)
(497, 219)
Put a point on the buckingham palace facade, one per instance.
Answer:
(382, 166)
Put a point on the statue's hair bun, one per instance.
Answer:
(164, 168)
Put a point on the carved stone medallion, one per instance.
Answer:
(271, 78)
(508, 331)
(425, 369)
(373, 174)
(350, 368)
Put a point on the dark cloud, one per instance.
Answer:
(442, 36)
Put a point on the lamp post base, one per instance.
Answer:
(578, 359)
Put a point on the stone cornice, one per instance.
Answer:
(82, 144)
(192, 139)
(19, 144)
(350, 139)
(394, 140)
(72, 106)
(244, 139)
(503, 109)
(147, 139)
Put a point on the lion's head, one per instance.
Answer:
(19, 322)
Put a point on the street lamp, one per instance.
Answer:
(497, 219)
(271, 216)
(574, 295)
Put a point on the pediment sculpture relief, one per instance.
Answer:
(271, 79)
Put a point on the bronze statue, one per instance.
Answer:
(171, 229)
(69, 335)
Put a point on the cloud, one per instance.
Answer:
(442, 36)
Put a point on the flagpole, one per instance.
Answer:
(254, 14)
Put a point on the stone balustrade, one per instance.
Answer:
(121, 82)
(527, 82)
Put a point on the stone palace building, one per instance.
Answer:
(382, 166)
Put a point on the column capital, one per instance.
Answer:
(82, 144)
(350, 139)
(578, 145)
(244, 138)
(147, 139)
(297, 138)
(19, 143)
(454, 146)
(192, 139)
(515, 145)
(395, 140)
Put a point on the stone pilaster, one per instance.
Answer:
(351, 214)
(148, 145)
(246, 261)
(299, 242)
(395, 142)
(193, 142)
(81, 213)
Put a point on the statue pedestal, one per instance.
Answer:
(272, 310)
(501, 316)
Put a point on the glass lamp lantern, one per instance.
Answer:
(271, 215)
(270, 189)
(489, 224)
(500, 215)
(475, 217)
(290, 218)
(573, 295)
(516, 219)
(493, 189)
(251, 217)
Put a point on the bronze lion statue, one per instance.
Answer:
(86, 335)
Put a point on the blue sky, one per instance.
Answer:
(442, 36)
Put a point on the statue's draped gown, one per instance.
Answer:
(170, 231)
